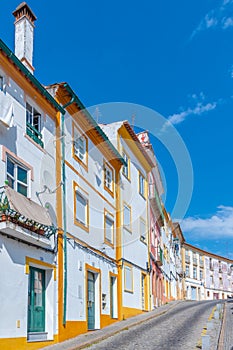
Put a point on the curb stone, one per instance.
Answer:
(107, 333)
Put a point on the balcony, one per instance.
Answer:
(24, 219)
(34, 134)
(187, 259)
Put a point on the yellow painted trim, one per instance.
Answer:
(143, 195)
(130, 209)
(90, 268)
(111, 274)
(106, 320)
(106, 241)
(134, 148)
(19, 78)
(129, 165)
(146, 291)
(76, 222)
(130, 312)
(132, 279)
(119, 244)
(31, 262)
(145, 241)
(107, 165)
(89, 184)
(84, 164)
(69, 235)
(22, 343)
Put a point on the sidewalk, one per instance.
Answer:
(91, 337)
(226, 336)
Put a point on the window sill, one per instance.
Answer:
(110, 244)
(83, 164)
(128, 291)
(142, 196)
(109, 191)
(127, 229)
(127, 177)
(34, 143)
(79, 224)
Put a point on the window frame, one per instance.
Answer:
(129, 229)
(80, 134)
(106, 166)
(84, 195)
(1, 82)
(130, 269)
(143, 238)
(109, 216)
(195, 274)
(34, 130)
(127, 176)
(14, 177)
(142, 191)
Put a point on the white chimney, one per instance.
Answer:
(24, 34)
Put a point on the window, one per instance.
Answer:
(81, 210)
(109, 228)
(141, 185)
(201, 274)
(127, 217)
(17, 176)
(126, 167)
(195, 272)
(187, 271)
(108, 178)
(142, 230)
(128, 278)
(33, 124)
(1, 83)
(80, 147)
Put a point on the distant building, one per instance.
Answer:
(207, 276)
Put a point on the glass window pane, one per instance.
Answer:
(10, 167)
(143, 229)
(10, 181)
(22, 189)
(128, 278)
(108, 228)
(127, 217)
(81, 204)
(125, 167)
(22, 175)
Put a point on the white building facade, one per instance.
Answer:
(28, 226)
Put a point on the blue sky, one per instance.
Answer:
(174, 57)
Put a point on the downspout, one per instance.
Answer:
(64, 206)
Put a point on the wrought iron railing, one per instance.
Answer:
(9, 214)
(35, 134)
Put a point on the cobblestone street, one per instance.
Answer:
(180, 328)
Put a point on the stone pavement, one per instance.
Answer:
(87, 339)
(226, 336)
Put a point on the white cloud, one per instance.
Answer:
(227, 22)
(219, 225)
(218, 17)
(198, 110)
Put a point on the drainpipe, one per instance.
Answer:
(64, 206)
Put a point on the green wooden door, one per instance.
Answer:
(91, 300)
(36, 300)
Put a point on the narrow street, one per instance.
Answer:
(180, 328)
